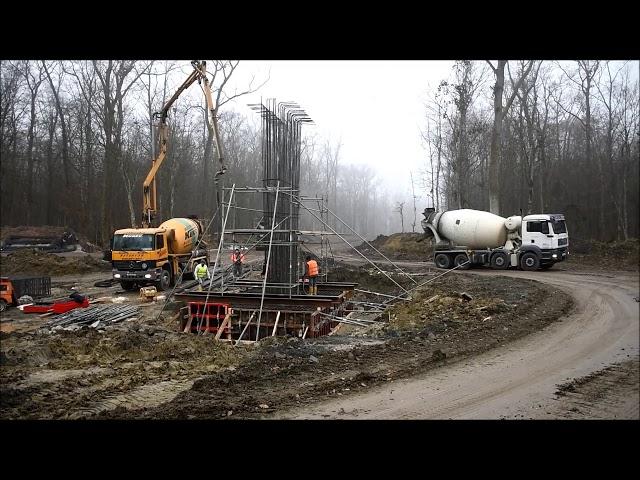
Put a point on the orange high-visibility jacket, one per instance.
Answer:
(237, 258)
(312, 268)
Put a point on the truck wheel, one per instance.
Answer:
(128, 286)
(442, 260)
(529, 261)
(3, 304)
(500, 261)
(460, 259)
(165, 280)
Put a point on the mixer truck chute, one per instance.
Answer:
(464, 238)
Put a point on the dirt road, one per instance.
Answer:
(595, 348)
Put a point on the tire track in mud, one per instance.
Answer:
(145, 396)
(610, 393)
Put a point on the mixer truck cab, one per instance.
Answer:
(546, 236)
(156, 256)
(466, 237)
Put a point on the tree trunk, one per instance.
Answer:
(51, 197)
(63, 127)
(30, 160)
(496, 139)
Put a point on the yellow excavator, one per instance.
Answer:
(159, 255)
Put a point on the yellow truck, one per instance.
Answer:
(157, 256)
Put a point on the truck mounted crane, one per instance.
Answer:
(199, 74)
(160, 255)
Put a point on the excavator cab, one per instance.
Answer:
(6, 293)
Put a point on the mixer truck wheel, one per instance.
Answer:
(442, 260)
(499, 261)
(460, 259)
(165, 280)
(529, 261)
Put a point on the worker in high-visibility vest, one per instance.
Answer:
(200, 273)
(312, 274)
(237, 259)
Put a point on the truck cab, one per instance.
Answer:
(546, 235)
(7, 297)
(140, 256)
(11, 289)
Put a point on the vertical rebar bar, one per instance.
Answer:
(264, 283)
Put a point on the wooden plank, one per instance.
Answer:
(335, 330)
(226, 320)
(187, 327)
(245, 328)
(275, 326)
(206, 315)
(235, 342)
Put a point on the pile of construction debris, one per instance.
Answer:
(405, 246)
(46, 238)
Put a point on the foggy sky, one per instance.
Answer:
(375, 108)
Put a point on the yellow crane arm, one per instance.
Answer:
(199, 73)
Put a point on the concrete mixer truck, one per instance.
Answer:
(465, 237)
(159, 255)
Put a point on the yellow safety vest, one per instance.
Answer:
(201, 271)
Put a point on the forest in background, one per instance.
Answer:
(76, 144)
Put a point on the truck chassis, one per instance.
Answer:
(529, 257)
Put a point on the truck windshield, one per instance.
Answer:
(133, 241)
(559, 226)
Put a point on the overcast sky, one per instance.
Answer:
(375, 108)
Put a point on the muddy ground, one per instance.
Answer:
(145, 369)
(609, 393)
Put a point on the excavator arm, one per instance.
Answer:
(149, 186)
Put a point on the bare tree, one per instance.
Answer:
(33, 80)
(55, 90)
(611, 103)
(399, 208)
(629, 132)
(436, 112)
(11, 112)
(415, 209)
(496, 134)
(221, 74)
(528, 117)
